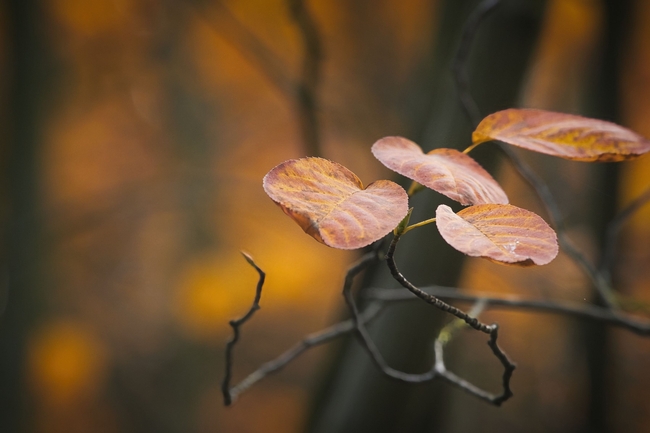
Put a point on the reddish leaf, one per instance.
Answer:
(502, 233)
(328, 201)
(447, 171)
(564, 135)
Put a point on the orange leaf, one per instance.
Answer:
(328, 201)
(446, 171)
(502, 233)
(564, 135)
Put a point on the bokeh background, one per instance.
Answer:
(135, 137)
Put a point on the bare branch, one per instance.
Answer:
(364, 337)
(582, 311)
(428, 298)
(235, 324)
(445, 336)
(316, 339)
(473, 322)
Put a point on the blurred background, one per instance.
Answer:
(135, 137)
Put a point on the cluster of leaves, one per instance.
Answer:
(329, 202)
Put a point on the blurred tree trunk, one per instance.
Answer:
(356, 397)
(604, 102)
(22, 259)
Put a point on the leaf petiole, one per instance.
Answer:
(420, 224)
(414, 188)
(470, 148)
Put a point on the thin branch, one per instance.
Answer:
(601, 283)
(235, 324)
(306, 91)
(473, 322)
(428, 298)
(364, 336)
(316, 339)
(582, 311)
(460, 63)
(615, 226)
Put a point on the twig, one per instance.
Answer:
(235, 324)
(473, 322)
(428, 298)
(316, 339)
(582, 311)
(600, 282)
(364, 337)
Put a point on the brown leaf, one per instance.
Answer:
(502, 233)
(564, 135)
(446, 171)
(328, 201)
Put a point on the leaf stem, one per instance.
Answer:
(470, 148)
(414, 189)
(420, 224)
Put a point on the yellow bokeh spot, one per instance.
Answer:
(66, 363)
(211, 290)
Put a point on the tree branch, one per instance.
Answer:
(326, 335)
(581, 311)
(473, 322)
(235, 324)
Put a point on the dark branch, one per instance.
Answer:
(600, 282)
(473, 322)
(428, 298)
(364, 337)
(235, 324)
(582, 311)
(316, 339)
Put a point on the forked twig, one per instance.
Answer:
(235, 324)
(473, 322)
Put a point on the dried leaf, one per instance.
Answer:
(329, 202)
(446, 171)
(564, 135)
(502, 233)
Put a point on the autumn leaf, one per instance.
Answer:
(446, 171)
(564, 135)
(329, 202)
(502, 233)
